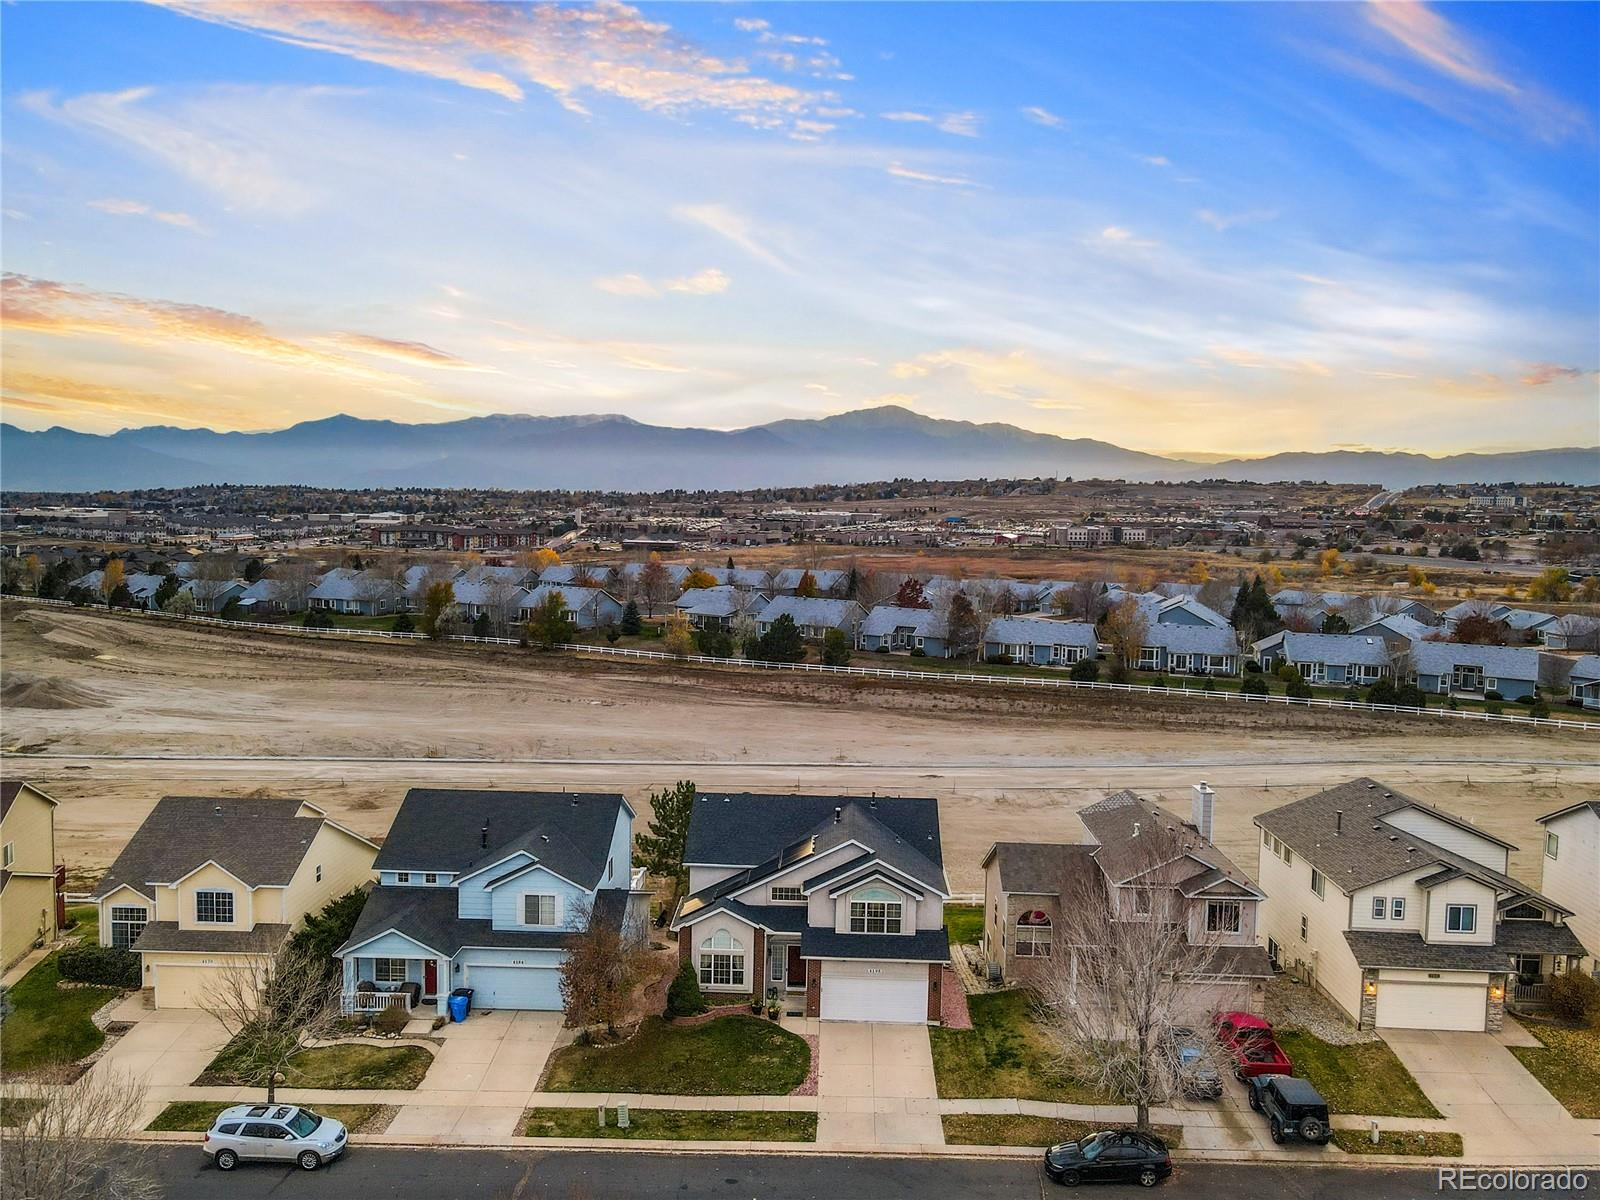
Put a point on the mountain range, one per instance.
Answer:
(616, 452)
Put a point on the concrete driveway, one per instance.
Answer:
(167, 1047)
(875, 1085)
(483, 1076)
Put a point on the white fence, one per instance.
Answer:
(995, 678)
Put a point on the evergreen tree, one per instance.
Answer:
(661, 848)
(1334, 623)
(836, 649)
(481, 625)
(631, 622)
(852, 584)
(730, 562)
(404, 624)
(781, 642)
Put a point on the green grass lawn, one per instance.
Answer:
(15, 1110)
(196, 1116)
(1567, 1064)
(49, 1026)
(1008, 1129)
(677, 1125)
(1003, 1054)
(731, 1056)
(344, 1066)
(87, 927)
(1366, 1079)
(1431, 1145)
(964, 922)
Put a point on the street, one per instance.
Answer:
(621, 1174)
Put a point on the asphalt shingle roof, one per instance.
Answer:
(1407, 949)
(724, 600)
(1585, 669)
(926, 945)
(1498, 662)
(812, 610)
(886, 618)
(1192, 639)
(1039, 868)
(739, 829)
(165, 935)
(1041, 631)
(1338, 648)
(1161, 837)
(427, 915)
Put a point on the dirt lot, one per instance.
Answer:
(351, 725)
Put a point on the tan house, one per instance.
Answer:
(27, 870)
(210, 883)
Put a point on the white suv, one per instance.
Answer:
(274, 1132)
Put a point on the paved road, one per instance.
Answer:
(622, 1175)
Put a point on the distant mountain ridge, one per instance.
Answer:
(608, 451)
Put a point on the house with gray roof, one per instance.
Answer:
(1356, 659)
(579, 574)
(270, 596)
(1583, 682)
(890, 629)
(829, 582)
(1399, 631)
(1140, 861)
(750, 578)
(1527, 625)
(516, 576)
(1574, 631)
(718, 607)
(1190, 650)
(486, 890)
(815, 615)
(356, 593)
(1451, 669)
(211, 885)
(835, 904)
(1403, 913)
(588, 608)
(1040, 641)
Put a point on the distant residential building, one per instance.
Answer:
(892, 629)
(1328, 658)
(1040, 641)
(1447, 668)
(815, 615)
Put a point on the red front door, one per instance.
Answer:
(797, 968)
(430, 977)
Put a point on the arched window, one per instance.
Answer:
(722, 961)
(875, 910)
(1033, 934)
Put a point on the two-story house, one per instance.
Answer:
(28, 879)
(1402, 913)
(1572, 867)
(486, 890)
(1148, 865)
(833, 903)
(207, 885)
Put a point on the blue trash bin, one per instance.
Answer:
(458, 1007)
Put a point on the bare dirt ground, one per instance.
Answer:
(351, 725)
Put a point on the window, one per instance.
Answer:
(785, 894)
(1317, 882)
(319, 872)
(430, 877)
(1552, 845)
(389, 970)
(1274, 952)
(1288, 854)
(126, 925)
(1141, 902)
(213, 908)
(1529, 967)
(8, 855)
(877, 911)
(1267, 840)
(1223, 916)
(1033, 935)
(722, 961)
(1380, 907)
(402, 876)
(538, 910)
(1524, 912)
(1397, 909)
(1461, 918)
(1304, 927)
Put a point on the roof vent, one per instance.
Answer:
(838, 814)
(1338, 820)
(1136, 829)
(1371, 786)
(483, 836)
(217, 809)
(544, 837)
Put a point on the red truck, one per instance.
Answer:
(1250, 1042)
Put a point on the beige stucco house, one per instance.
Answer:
(27, 870)
(207, 884)
(1572, 867)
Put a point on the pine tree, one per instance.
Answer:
(661, 849)
(782, 642)
(631, 622)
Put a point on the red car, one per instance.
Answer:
(1249, 1040)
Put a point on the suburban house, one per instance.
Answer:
(749, 578)
(211, 884)
(29, 884)
(1455, 670)
(1328, 658)
(1186, 610)
(1040, 641)
(1399, 631)
(1314, 607)
(1572, 866)
(483, 573)
(1528, 625)
(485, 890)
(828, 582)
(1402, 913)
(1572, 632)
(356, 593)
(267, 595)
(1146, 861)
(212, 595)
(815, 615)
(588, 608)
(716, 607)
(497, 597)
(992, 595)
(580, 574)
(892, 629)
(1190, 650)
(835, 904)
(1584, 682)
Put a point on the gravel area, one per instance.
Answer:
(808, 1086)
(1292, 1005)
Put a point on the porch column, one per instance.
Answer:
(347, 966)
(446, 986)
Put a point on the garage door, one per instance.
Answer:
(515, 987)
(875, 992)
(1431, 1006)
(179, 986)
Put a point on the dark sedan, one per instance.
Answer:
(1115, 1156)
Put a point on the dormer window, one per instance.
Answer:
(213, 908)
(1461, 918)
(430, 877)
(875, 910)
(402, 876)
(538, 910)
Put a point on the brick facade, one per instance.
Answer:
(813, 988)
(756, 966)
(684, 951)
(935, 1003)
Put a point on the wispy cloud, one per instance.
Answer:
(414, 353)
(908, 117)
(137, 208)
(709, 282)
(961, 124)
(1042, 116)
(735, 227)
(901, 171)
(1222, 222)
(1544, 374)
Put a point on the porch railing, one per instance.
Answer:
(357, 1003)
(1530, 995)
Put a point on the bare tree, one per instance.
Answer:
(273, 1004)
(211, 577)
(74, 1145)
(294, 580)
(654, 583)
(1125, 630)
(604, 962)
(1084, 600)
(963, 626)
(874, 588)
(1357, 611)
(502, 600)
(1217, 595)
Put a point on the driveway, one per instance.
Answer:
(167, 1047)
(1502, 1113)
(482, 1077)
(875, 1086)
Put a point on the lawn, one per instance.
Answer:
(1568, 1065)
(964, 923)
(196, 1116)
(87, 927)
(1003, 1054)
(675, 1125)
(343, 1066)
(47, 1025)
(1431, 1145)
(1008, 1129)
(731, 1056)
(1366, 1079)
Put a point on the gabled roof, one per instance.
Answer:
(1403, 624)
(886, 618)
(826, 579)
(1136, 836)
(1592, 805)
(428, 916)
(1041, 631)
(1502, 662)
(1038, 868)
(723, 600)
(575, 598)
(342, 583)
(11, 788)
(1190, 605)
(1192, 639)
(811, 610)
(1523, 619)
(1363, 649)
(1585, 669)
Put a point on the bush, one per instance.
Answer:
(1086, 670)
(392, 1019)
(1383, 692)
(1492, 694)
(999, 660)
(1298, 688)
(836, 648)
(404, 624)
(1210, 685)
(612, 634)
(1575, 996)
(1409, 695)
(684, 997)
(918, 652)
(880, 648)
(715, 643)
(1287, 671)
(1252, 667)
(104, 965)
(1493, 709)
(1254, 685)
(1528, 698)
(1539, 708)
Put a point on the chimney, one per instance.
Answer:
(838, 815)
(483, 836)
(1136, 829)
(1201, 812)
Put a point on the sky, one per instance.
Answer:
(1187, 229)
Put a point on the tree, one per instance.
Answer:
(501, 600)
(852, 583)
(729, 563)
(544, 559)
(32, 572)
(1551, 585)
(631, 623)
(1478, 628)
(231, 608)
(438, 608)
(661, 848)
(910, 594)
(684, 997)
(1199, 573)
(482, 626)
(963, 630)
(295, 579)
(699, 578)
(1085, 670)
(807, 586)
(549, 624)
(272, 1005)
(1254, 685)
(325, 931)
(781, 642)
(112, 577)
(403, 623)
(715, 643)
(677, 637)
(836, 648)
(180, 603)
(1334, 622)
(75, 1145)
(253, 569)
(212, 576)
(1254, 614)
(1329, 562)
(654, 583)
(604, 963)
(1124, 630)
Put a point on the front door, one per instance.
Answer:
(430, 977)
(796, 968)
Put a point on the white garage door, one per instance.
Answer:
(1403, 1005)
(515, 987)
(179, 986)
(875, 992)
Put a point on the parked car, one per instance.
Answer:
(1293, 1108)
(1114, 1156)
(1249, 1042)
(273, 1133)
(1198, 1076)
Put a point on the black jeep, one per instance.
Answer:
(1293, 1108)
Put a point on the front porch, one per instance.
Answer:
(1532, 976)
(372, 984)
(785, 974)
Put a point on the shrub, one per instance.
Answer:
(1297, 688)
(404, 624)
(684, 997)
(1409, 695)
(104, 965)
(1161, 681)
(1210, 685)
(612, 634)
(1086, 670)
(1529, 698)
(1253, 685)
(880, 648)
(836, 648)
(1383, 692)
(481, 626)
(715, 643)
(1492, 694)
(1539, 708)
(1252, 667)
(392, 1019)
(1575, 996)
(1287, 671)
(1493, 709)
(999, 660)
(1352, 693)
(918, 652)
